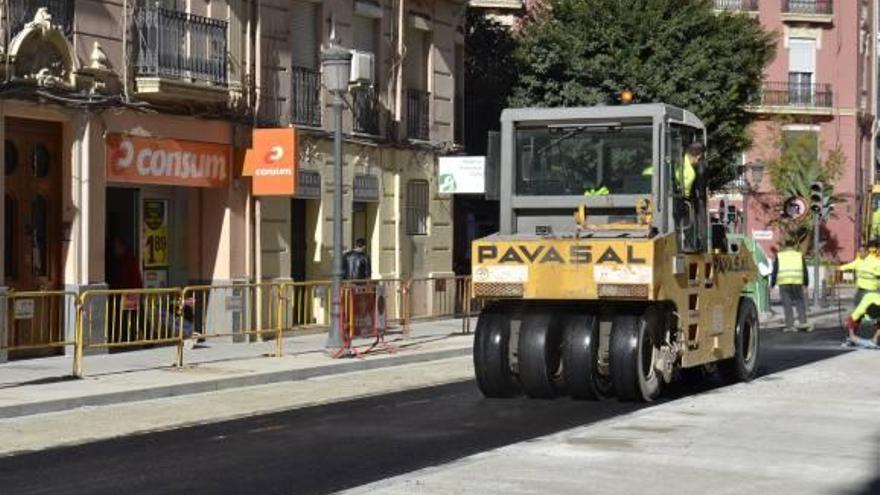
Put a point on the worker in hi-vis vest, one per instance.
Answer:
(790, 274)
(875, 224)
(686, 171)
(870, 307)
(867, 268)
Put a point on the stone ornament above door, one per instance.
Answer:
(41, 53)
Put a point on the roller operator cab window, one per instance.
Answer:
(583, 159)
(684, 170)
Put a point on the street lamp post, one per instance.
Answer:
(336, 68)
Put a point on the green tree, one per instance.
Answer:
(584, 52)
(489, 75)
(796, 165)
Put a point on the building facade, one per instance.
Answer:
(405, 110)
(819, 89)
(126, 125)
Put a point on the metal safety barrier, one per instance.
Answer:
(104, 320)
(396, 299)
(306, 305)
(243, 312)
(441, 297)
(37, 321)
(128, 318)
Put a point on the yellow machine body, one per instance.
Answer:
(704, 289)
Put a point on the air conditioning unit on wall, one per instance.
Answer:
(362, 67)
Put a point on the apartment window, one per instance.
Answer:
(801, 69)
(304, 29)
(305, 101)
(417, 45)
(417, 207)
(366, 36)
(418, 106)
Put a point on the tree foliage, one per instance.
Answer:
(584, 52)
(796, 165)
(489, 75)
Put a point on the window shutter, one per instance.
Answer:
(802, 55)
(304, 27)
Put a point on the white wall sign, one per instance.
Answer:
(462, 174)
(23, 309)
(762, 235)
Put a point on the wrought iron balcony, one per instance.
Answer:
(365, 110)
(805, 96)
(808, 7)
(417, 111)
(305, 101)
(737, 5)
(178, 45)
(22, 12)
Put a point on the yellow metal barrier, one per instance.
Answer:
(36, 321)
(240, 311)
(131, 318)
(109, 319)
(441, 297)
(306, 305)
(394, 294)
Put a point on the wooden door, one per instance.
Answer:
(32, 231)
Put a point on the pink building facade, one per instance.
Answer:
(821, 87)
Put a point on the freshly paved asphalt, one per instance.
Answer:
(329, 448)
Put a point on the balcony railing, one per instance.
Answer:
(820, 7)
(178, 45)
(737, 5)
(365, 103)
(305, 101)
(417, 108)
(784, 94)
(22, 12)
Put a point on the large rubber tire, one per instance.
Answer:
(743, 367)
(580, 358)
(631, 359)
(539, 354)
(491, 354)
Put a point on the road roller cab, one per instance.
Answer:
(604, 279)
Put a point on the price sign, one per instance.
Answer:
(154, 252)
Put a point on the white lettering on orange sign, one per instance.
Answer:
(273, 172)
(164, 161)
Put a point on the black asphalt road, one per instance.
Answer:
(328, 448)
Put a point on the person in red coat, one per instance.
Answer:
(123, 270)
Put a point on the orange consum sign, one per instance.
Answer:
(166, 162)
(271, 161)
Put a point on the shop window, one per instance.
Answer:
(417, 207)
(39, 231)
(41, 161)
(9, 236)
(11, 157)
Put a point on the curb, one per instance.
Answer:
(111, 398)
(779, 320)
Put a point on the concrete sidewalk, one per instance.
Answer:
(44, 385)
(808, 430)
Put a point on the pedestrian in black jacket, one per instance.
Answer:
(357, 263)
